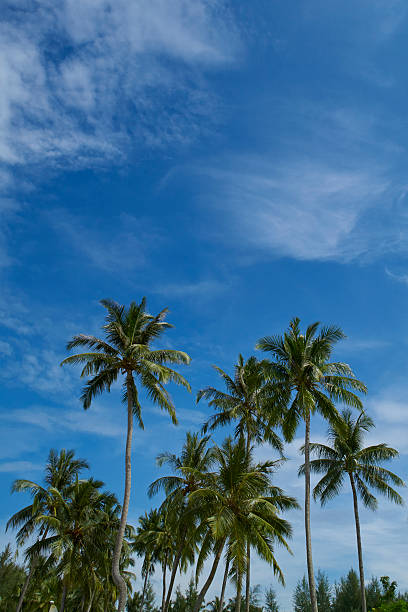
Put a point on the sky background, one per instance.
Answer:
(239, 162)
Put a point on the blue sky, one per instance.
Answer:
(241, 163)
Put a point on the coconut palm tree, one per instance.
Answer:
(144, 545)
(127, 351)
(190, 470)
(247, 401)
(239, 504)
(61, 470)
(305, 381)
(347, 457)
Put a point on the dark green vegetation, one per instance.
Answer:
(218, 504)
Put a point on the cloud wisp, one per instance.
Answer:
(81, 82)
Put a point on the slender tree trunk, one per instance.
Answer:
(29, 576)
(164, 583)
(90, 602)
(174, 569)
(25, 586)
(359, 548)
(144, 588)
(210, 578)
(239, 589)
(310, 571)
(248, 571)
(224, 584)
(116, 575)
(64, 596)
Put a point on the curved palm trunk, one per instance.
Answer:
(359, 547)
(224, 584)
(144, 588)
(310, 571)
(164, 583)
(239, 589)
(210, 578)
(116, 575)
(174, 569)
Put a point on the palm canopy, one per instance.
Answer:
(61, 470)
(240, 505)
(303, 377)
(348, 456)
(247, 400)
(127, 349)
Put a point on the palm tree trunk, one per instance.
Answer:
(310, 571)
(164, 583)
(248, 578)
(174, 569)
(239, 588)
(25, 587)
(64, 596)
(210, 578)
(90, 602)
(224, 584)
(29, 576)
(359, 548)
(248, 571)
(144, 588)
(116, 575)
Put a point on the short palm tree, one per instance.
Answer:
(348, 458)
(238, 505)
(189, 472)
(305, 382)
(60, 471)
(245, 401)
(127, 351)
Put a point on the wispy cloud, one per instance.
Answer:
(303, 209)
(125, 249)
(72, 73)
(19, 466)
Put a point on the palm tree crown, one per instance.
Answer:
(246, 400)
(129, 333)
(347, 455)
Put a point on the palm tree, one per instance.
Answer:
(127, 351)
(60, 471)
(246, 401)
(144, 544)
(239, 504)
(305, 381)
(190, 470)
(347, 457)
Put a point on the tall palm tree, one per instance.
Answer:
(246, 401)
(240, 504)
(190, 470)
(348, 458)
(61, 470)
(127, 351)
(305, 382)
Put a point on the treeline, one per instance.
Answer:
(220, 505)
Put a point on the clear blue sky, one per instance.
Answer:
(239, 162)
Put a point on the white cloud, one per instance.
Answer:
(80, 81)
(19, 466)
(302, 209)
